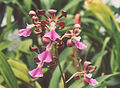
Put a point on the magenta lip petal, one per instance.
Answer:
(24, 32)
(42, 56)
(49, 46)
(52, 35)
(48, 57)
(93, 82)
(37, 72)
(45, 57)
(80, 45)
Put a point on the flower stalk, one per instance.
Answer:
(57, 57)
(75, 58)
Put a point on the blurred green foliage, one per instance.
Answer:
(103, 47)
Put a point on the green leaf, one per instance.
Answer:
(105, 77)
(24, 46)
(103, 13)
(77, 84)
(1, 79)
(66, 53)
(9, 11)
(102, 53)
(37, 85)
(20, 70)
(54, 82)
(70, 67)
(45, 4)
(7, 30)
(5, 44)
(7, 72)
(2, 86)
(71, 4)
(28, 4)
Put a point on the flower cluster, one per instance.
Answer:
(47, 31)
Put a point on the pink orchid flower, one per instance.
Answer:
(92, 81)
(79, 44)
(52, 35)
(46, 55)
(37, 72)
(26, 32)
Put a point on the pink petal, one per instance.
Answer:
(80, 45)
(30, 26)
(77, 38)
(89, 75)
(45, 56)
(24, 32)
(49, 46)
(52, 35)
(93, 82)
(48, 57)
(37, 72)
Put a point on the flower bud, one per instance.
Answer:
(43, 48)
(77, 32)
(45, 40)
(69, 43)
(32, 13)
(35, 60)
(35, 20)
(52, 64)
(33, 49)
(37, 31)
(77, 19)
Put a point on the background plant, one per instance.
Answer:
(103, 49)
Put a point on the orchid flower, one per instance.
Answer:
(46, 55)
(74, 38)
(27, 31)
(52, 34)
(52, 23)
(37, 72)
(88, 70)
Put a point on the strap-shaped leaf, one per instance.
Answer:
(7, 72)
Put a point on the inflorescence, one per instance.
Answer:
(47, 32)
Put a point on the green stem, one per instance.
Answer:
(60, 66)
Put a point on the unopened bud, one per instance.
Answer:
(45, 40)
(77, 32)
(43, 48)
(69, 43)
(34, 49)
(52, 64)
(35, 20)
(35, 60)
(77, 19)
(32, 13)
(37, 31)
